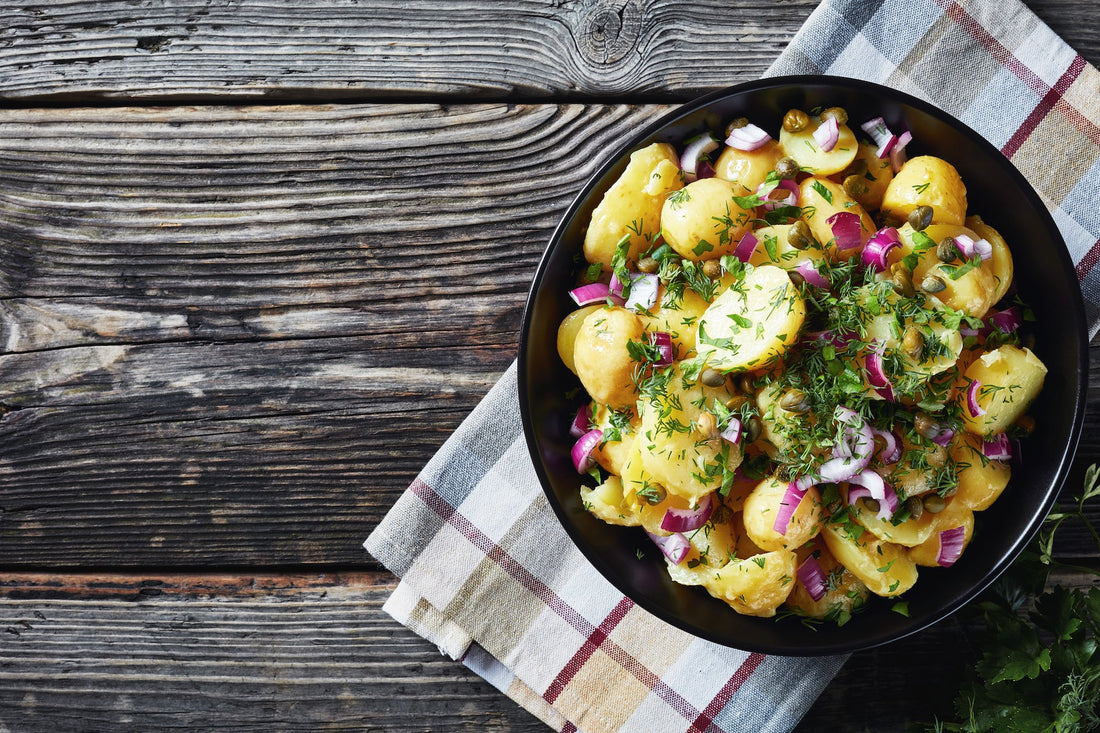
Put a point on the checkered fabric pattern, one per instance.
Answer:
(488, 574)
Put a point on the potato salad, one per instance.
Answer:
(805, 362)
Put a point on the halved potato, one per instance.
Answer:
(803, 148)
(884, 567)
(927, 181)
(1008, 378)
(747, 169)
(703, 221)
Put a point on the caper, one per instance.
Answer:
(799, 235)
(920, 217)
(947, 250)
(858, 167)
(926, 426)
(753, 428)
(712, 269)
(915, 507)
(648, 265)
(795, 120)
(736, 124)
(707, 425)
(736, 402)
(903, 282)
(855, 186)
(913, 342)
(747, 384)
(712, 377)
(795, 401)
(796, 277)
(839, 113)
(933, 284)
(934, 503)
(787, 168)
(870, 504)
(653, 494)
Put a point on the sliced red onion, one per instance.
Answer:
(970, 248)
(582, 423)
(846, 229)
(746, 247)
(733, 431)
(594, 293)
(675, 546)
(878, 247)
(747, 138)
(998, 449)
(1007, 320)
(810, 274)
(891, 449)
(704, 170)
(826, 134)
(881, 135)
(582, 450)
(943, 437)
(897, 152)
(643, 291)
(812, 577)
(663, 342)
(877, 489)
(690, 159)
(839, 340)
(688, 520)
(951, 546)
(616, 286)
(771, 202)
(787, 506)
(853, 452)
(876, 375)
(972, 399)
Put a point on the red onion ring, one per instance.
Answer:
(582, 423)
(675, 546)
(812, 577)
(594, 293)
(746, 247)
(582, 450)
(876, 374)
(827, 134)
(663, 342)
(846, 229)
(998, 449)
(792, 198)
(643, 291)
(689, 161)
(884, 139)
(688, 520)
(877, 489)
(733, 431)
(1007, 320)
(747, 138)
(878, 247)
(892, 447)
(897, 153)
(792, 497)
(810, 274)
(951, 546)
(972, 399)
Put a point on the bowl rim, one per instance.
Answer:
(608, 570)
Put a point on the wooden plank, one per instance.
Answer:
(228, 653)
(233, 336)
(307, 652)
(612, 50)
(253, 50)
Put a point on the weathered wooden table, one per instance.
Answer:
(257, 261)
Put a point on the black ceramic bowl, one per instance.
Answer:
(1044, 276)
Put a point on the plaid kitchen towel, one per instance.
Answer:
(489, 575)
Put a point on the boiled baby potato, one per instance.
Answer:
(676, 317)
(774, 248)
(702, 220)
(973, 292)
(981, 480)
(870, 185)
(567, 334)
(606, 502)
(909, 533)
(601, 356)
(611, 453)
(632, 205)
(804, 149)
(754, 586)
(953, 516)
(752, 323)
(747, 168)
(1002, 256)
(680, 444)
(884, 567)
(1008, 378)
(844, 592)
(761, 507)
(827, 197)
(927, 181)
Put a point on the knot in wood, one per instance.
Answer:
(608, 30)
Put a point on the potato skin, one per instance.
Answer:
(1009, 379)
(600, 354)
(702, 221)
(747, 169)
(802, 147)
(927, 181)
(632, 205)
(761, 507)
